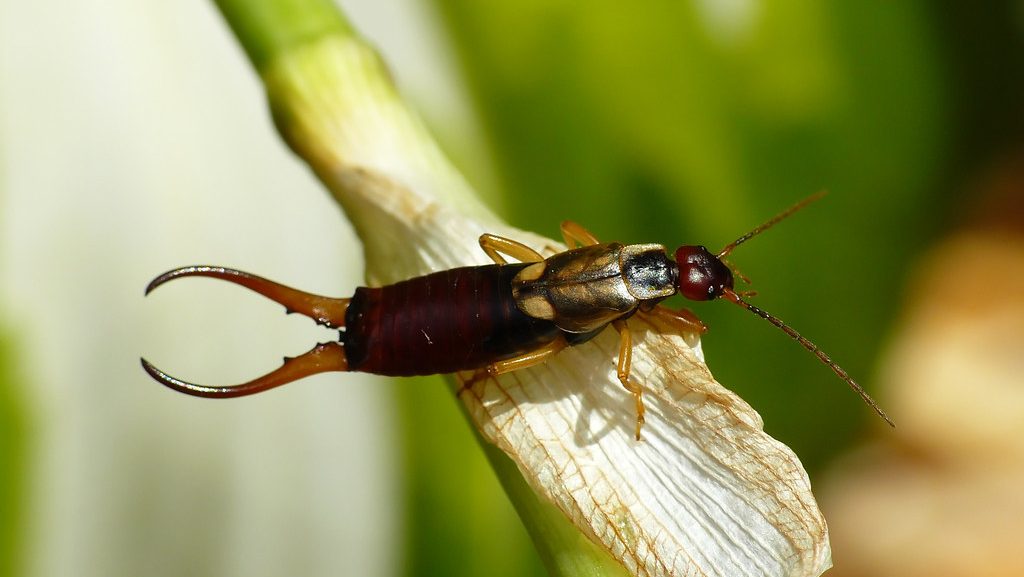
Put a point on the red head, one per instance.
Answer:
(702, 275)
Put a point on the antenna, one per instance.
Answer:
(704, 281)
(774, 220)
(731, 295)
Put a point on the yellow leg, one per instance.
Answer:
(534, 357)
(495, 246)
(526, 360)
(682, 319)
(574, 235)
(625, 359)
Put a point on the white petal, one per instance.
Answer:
(706, 492)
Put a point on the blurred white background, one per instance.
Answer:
(134, 138)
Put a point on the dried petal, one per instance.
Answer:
(706, 492)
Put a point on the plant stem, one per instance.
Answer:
(334, 103)
(270, 28)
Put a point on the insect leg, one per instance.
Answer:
(682, 320)
(534, 357)
(495, 246)
(574, 234)
(625, 359)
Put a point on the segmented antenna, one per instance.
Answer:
(731, 295)
(736, 297)
(774, 220)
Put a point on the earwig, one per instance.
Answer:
(503, 317)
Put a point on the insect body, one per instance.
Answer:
(448, 321)
(502, 317)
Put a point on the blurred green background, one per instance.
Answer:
(126, 150)
(690, 123)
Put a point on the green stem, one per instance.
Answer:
(269, 28)
(320, 79)
(15, 440)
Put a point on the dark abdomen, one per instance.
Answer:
(453, 320)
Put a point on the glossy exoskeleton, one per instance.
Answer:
(502, 317)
